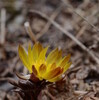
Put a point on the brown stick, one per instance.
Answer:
(3, 32)
(29, 31)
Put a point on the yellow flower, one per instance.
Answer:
(49, 68)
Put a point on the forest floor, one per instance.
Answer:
(71, 25)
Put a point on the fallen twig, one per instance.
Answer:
(3, 20)
(80, 92)
(29, 31)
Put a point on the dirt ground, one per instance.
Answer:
(71, 25)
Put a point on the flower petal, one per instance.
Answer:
(40, 48)
(59, 57)
(52, 56)
(34, 70)
(65, 60)
(53, 73)
(30, 56)
(42, 54)
(67, 66)
(37, 48)
(42, 69)
(24, 57)
(51, 67)
(57, 78)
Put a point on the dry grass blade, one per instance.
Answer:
(47, 93)
(69, 6)
(68, 34)
(24, 77)
(29, 31)
(53, 16)
(3, 20)
(80, 33)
